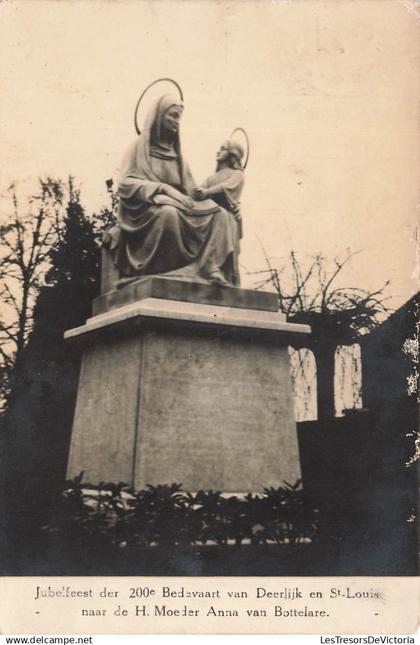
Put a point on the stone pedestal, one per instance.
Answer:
(185, 392)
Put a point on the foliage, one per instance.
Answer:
(27, 236)
(411, 351)
(338, 316)
(40, 406)
(312, 297)
(86, 513)
(49, 245)
(74, 255)
(165, 515)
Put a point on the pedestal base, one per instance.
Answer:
(176, 392)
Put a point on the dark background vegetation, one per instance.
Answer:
(359, 471)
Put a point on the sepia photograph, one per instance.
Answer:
(209, 283)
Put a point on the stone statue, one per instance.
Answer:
(199, 374)
(225, 187)
(167, 226)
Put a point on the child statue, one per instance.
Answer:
(225, 187)
(226, 184)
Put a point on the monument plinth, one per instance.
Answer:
(187, 392)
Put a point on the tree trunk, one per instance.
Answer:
(325, 370)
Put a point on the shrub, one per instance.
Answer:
(115, 514)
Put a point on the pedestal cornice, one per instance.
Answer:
(158, 312)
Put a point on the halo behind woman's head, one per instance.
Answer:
(159, 80)
(242, 131)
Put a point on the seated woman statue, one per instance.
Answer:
(160, 228)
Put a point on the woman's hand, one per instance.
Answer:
(200, 193)
(236, 211)
(173, 193)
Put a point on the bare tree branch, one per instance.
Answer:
(337, 315)
(27, 239)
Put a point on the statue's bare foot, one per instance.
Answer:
(217, 277)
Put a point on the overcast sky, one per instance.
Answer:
(327, 92)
